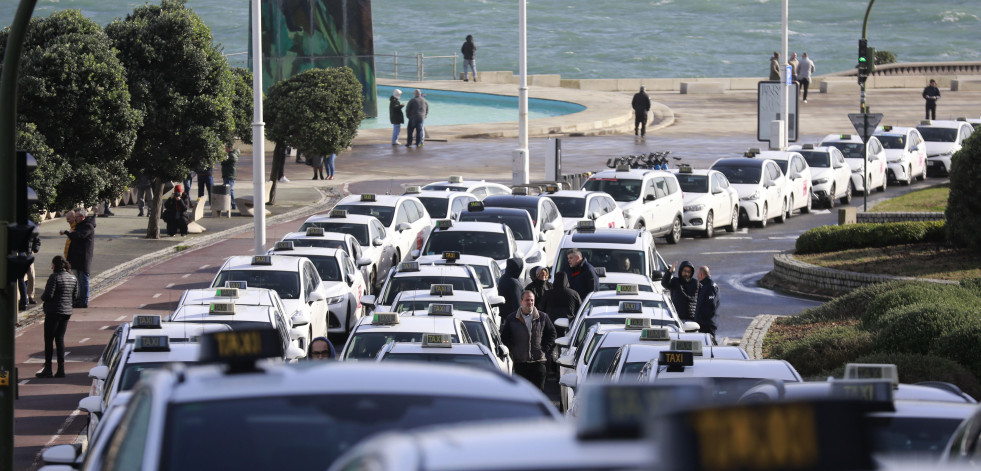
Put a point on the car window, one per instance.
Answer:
(385, 214)
(129, 441)
(774, 171)
(402, 215)
(608, 203)
(479, 192)
(420, 210)
(740, 174)
(660, 187)
(552, 213)
(966, 133)
(876, 147)
(621, 189)
(377, 230)
(672, 185)
(596, 206)
(284, 330)
(649, 188)
(285, 283)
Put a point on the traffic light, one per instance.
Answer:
(21, 234)
(863, 60)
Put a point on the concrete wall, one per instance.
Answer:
(839, 282)
(898, 217)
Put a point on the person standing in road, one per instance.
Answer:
(804, 71)
(229, 170)
(395, 115)
(708, 302)
(59, 294)
(582, 275)
(642, 105)
(931, 94)
(417, 111)
(539, 285)
(144, 193)
(561, 301)
(80, 253)
(683, 289)
(468, 50)
(775, 66)
(530, 337)
(175, 212)
(322, 349)
(509, 286)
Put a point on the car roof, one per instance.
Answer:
(179, 352)
(775, 155)
(423, 295)
(380, 200)
(641, 295)
(439, 324)
(465, 259)
(902, 392)
(576, 193)
(619, 335)
(894, 131)
(279, 263)
(855, 138)
(445, 194)
(452, 271)
(473, 226)
(313, 251)
(694, 171)
(944, 123)
(606, 236)
(500, 210)
(728, 368)
(474, 349)
(243, 313)
(824, 149)
(350, 218)
(178, 331)
(513, 201)
(327, 235)
(740, 162)
(246, 297)
(624, 278)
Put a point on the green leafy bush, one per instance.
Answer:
(964, 229)
(962, 346)
(849, 306)
(856, 236)
(824, 349)
(915, 328)
(917, 368)
(973, 285)
(901, 296)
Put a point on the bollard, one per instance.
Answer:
(847, 215)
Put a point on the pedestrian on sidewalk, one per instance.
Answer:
(70, 219)
(25, 285)
(469, 49)
(708, 302)
(59, 293)
(794, 63)
(775, 66)
(229, 170)
(530, 337)
(105, 210)
(931, 94)
(80, 253)
(683, 289)
(144, 193)
(642, 105)
(175, 212)
(395, 115)
(417, 111)
(205, 181)
(329, 162)
(804, 71)
(317, 162)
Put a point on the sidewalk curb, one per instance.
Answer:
(752, 340)
(114, 276)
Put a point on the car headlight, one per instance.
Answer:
(534, 258)
(755, 196)
(695, 207)
(819, 181)
(335, 299)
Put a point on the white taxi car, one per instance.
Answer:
(295, 280)
(579, 205)
(650, 199)
(377, 243)
(616, 316)
(943, 139)
(905, 153)
(373, 332)
(614, 250)
(730, 378)
(488, 271)
(403, 216)
(545, 216)
(443, 204)
(484, 239)
(531, 242)
(631, 358)
(868, 158)
(481, 302)
(762, 188)
(318, 238)
(439, 348)
(609, 281)
(244, 317)
(831, 176)
(710, 201)
(479, 188)
(416, 276)
(798, 177)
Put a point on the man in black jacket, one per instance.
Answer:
(530, 337)
(582, 275)
(468, 50)
(708, 301)
(931, 94)
(509, 286)
(417, 110)
(395, 115)
(80, 253)
(641, 105)
(683, 289)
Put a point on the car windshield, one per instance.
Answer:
(623, 190)
(892, 142)
(327, 267)
(480, 361)
(365, 345)
(631, 370)
(601, 361)
(607, 302)
(783, 165)
(570, 206)
(285, 283)
(912, 437)
(816, 158)
(851, 150)
(470, 306)
(233, 324)
(485, 244)
(519, 223)
(359, 231)
(741, 174)
(319, 243)
(484, 275)
(310, 431)
(133, 372)
(614, 260)
(613, 287)
(693, 183)
(399, 284)
(385, 214)
(587, 323)
(459, 189)
(939, 134)
(436, 207)
(477, 333)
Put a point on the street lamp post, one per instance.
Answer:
(519, 158)
(785, 89)
(258, 134)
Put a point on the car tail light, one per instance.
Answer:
(419, 241)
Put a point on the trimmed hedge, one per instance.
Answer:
(914, 329)
(917, 368)
(973, 285)
(901, 296)
(824, 349)
(857, 236)
(963, 346)
(849, 306)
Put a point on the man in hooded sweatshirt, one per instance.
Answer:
(509, 286)
(561, 301)
(539, 285)
(683, 288)
(395, 115)
(582, 275)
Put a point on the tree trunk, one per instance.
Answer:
(278, 162)
(153, 225)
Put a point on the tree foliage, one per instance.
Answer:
(242, 103)
(964, 203)
(72, 91)
(181, 83)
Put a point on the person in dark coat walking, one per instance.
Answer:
(395, 115)
(561, 301)
(175, 212)
(708, 302)
(229, 170)
(80, 253)
(931, 94)
(530, 337)
(509, 286)
(59, 295)
(468, 49)
(539, 285)
(683, 289)
(582, 275)
(641, 105)
(417, 110)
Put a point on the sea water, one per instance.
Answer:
(619, 39)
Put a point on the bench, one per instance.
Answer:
(702, 88)
(197, 214)
(848, 85)
(965, 85)
(246, 203)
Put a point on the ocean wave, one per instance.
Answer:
(955, 16)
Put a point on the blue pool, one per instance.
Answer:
(450, 108)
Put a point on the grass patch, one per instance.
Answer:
(933, 199)
(784, 331)
(918, 260)
(181, 248)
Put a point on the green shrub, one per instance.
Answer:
(915, 328)
(962, 346)
(824, 349)
(849, 306)
(917, 368)
(973, 285)
(857, 236)
(899, 296)
(964, 229)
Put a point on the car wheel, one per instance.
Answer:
(675, 235)
(807, 209)
(785, 212)
(734, 224)
(909, 176)
(922, 174)
(709, 225)
(373, 278)
(830, 203)
(639, 225)
(396, 258)
(847, 199)
(764, 216)
(885, 183)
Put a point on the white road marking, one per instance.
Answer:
(739, 284)
(820, 211)
(170, 285)
(141, 306)
(793, 237)
(61, 430)
(734, 238)
(741, 251)
(105, 327)
(18, 335)
(203, 267)
(186, 275)
(157, 295)
(86, 339)
(120, 318)
(23, 382)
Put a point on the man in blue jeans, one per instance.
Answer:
(229, 170)
(416, 111)
(80, 253)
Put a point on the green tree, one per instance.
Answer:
(964, 203)
(181, 83)
(884, 57)
(317, 112)
(242, 103)
(51, 167)
(72, 90)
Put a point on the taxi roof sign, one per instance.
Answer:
(684, 168)
(626, 288)
(631, 307)
(368, 198)
(551, 188)
(623, 168)
(408, 267)
(451, 256)
(144, 321)
(440, 309)
(586, 226)
(240, 349)
(676, 360)
(887, 128)
(845, 136)
(655, 334)
(878, 393)
(444, 224)
(385, 318)
(441, 289)
(693, 346)
(637, 323)
(435, 340)
(600, 271)
(413, 190)
(221, 308)
(455, 179)
(237, 284)
(807, 146)
(315, 231)
(283, 245)
(519, 190)
(152, 343)
(925, 122)
(475, 206)
(884, 372)
(338, 213)
(261, 260)
(623, 410)
(227, 293)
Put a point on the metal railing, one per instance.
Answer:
(918, 68)
(386, 65)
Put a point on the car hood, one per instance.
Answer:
(291, 306)
(526, 248)
(856, 164)
(821, 172)
(893, 155)
(746, 189)
(937, 148)
(697, 198)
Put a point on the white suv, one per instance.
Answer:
(905, 153)
(942, 140)
(831, 177)
(868, 157)
(798, 176)
(761, 186)
(650, 199)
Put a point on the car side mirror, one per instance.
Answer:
(503, 352)
(403, 226)
(368, 300)
(99, 372)
(541, 237)
(294, 352)
(493, 300)
(550, 226)
(649, 198)
(415, 253)
(562, 341)
(315, 296)
(562, 322)
(377, 242)
(566, 361)
(294, 334)
(364, 261)
(691, 326)
(61, 454)
(91, 404)
(717, 191)
(569, 380)
(594, 215)
(300, 319)
(657, 276)
(914, 148)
